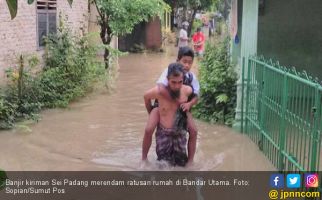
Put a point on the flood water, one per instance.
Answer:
(104, 131)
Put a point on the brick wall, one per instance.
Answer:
(153, 34)
(77, 15)
(19, 36)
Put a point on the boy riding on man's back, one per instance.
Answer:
(185, 58)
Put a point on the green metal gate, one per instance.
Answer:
(282, 114)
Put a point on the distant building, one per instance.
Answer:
(148, 34)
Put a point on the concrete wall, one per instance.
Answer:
(291, 31)
(19, 36)
(236, 47)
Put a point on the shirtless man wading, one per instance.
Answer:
(171, 141)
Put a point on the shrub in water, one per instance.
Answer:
(218, 78)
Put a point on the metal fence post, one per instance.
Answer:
(282, 123)
(282, 128)
(247, 93)
(242, 93)
(262, 106)
(315, 136)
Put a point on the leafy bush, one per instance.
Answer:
(7, 113)
(20, 97)
(71, 70)
(217, 85)
(196, 24)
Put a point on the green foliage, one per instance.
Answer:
(118, 17)
(123, 15)
(21, 90)
(220, 26)
(193, 6)
(7, 112)
(196, 4)
(3, 179)
(59, 49)
(13, 7)
(217, 85)
(197, 23)
(71, 70)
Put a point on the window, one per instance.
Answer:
(46, 18)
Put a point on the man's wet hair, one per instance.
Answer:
(185, 51)
(175, 69)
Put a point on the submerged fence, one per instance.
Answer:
(282, 114)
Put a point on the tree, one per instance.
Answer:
(196, 5)
(193, 5)
(118, 17)
(173, 6)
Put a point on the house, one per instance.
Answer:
(286, 31)
(279, 106)
(23, 34)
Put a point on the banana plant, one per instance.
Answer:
(13, 6)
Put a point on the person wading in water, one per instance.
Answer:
(171, 141)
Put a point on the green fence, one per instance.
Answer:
(282, 114)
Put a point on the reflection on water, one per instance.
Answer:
(105, 131)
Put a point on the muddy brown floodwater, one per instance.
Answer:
(104, 131)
